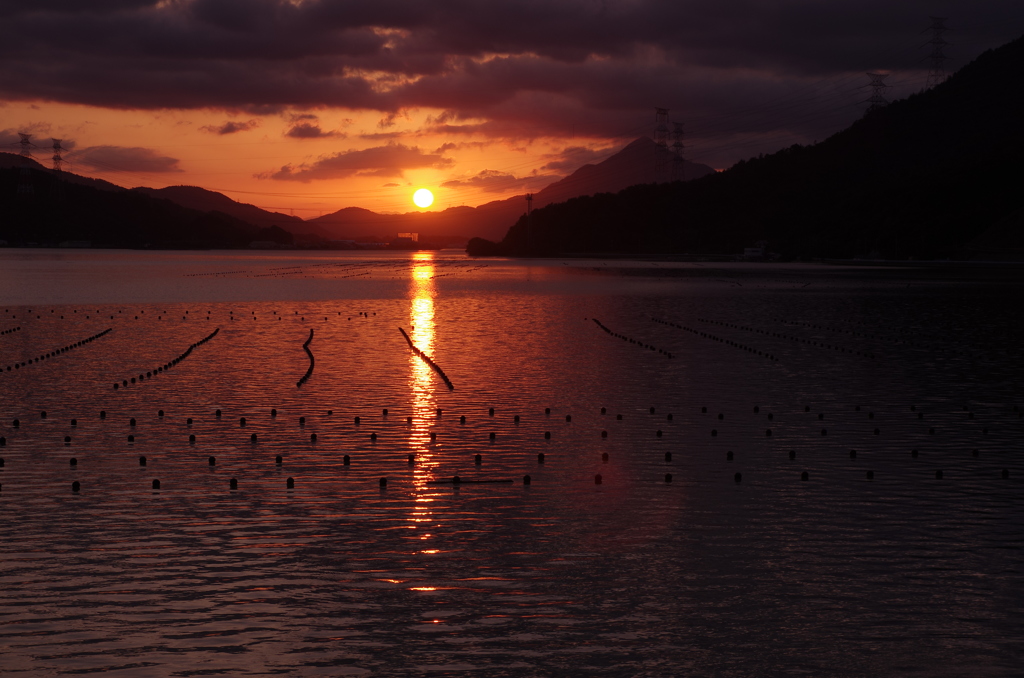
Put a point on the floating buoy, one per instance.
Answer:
(302, 421)
(42, 415)
(192, 437)
(807, 408)
(312, 437)
(853, 454)
(770, 416)
(189, 421)
(433, 436)
(871, 415)
(703, 410)
(478, 460)
(273, 412)
(290, 483)
(870, 475)
(131, 439)
(526, 480)
(456, 480)
(156, 484)
(233, 484)
(738, 477)
(346, 460)
(241, 422)
(568, 417)
(597, 479)
(142, 461)
(658, 433)
(252, 438)
(668, 477)
(604, 434)
(652, 410)
(938, 475)
(383, 482)
(492, 435)
(1006, 473)
(931, 431)
(67, 440)
(213, 461)
(805, 476)
(408, 420)
(714, 432)
(439, 412)
(604, 457)
(619, 417)
(3, 441)
(491, 412)
(913, 453)
(76, 486)
(767, 432)
(357, 421)
(756, 409)
(792, 454)
(548, 410)
(668, 456)
(728, 456)
(373, 436)
(74, 461)
(103, 414)
(974, 453)
(540, 458)
(547, 435)
(384, 412)
(516, 419)
(160, 413)
(278, 460)
(877, 431)
(824, 431)
(217, 413)
(462, 419)
(330, 412)
(412, 458)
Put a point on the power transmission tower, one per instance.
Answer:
(877, 99)
(25, 186)
(661, 154)
(937, 71)
(58, 167)
(678, 171)
(58, 161)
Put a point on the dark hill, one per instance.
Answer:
(203, 200)
(922, 178)
(39, 208)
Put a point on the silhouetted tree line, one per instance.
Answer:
(920, 178)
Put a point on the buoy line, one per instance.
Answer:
(632, 341)
(309, 372)
(425, 358)
(169, 365)
(13, 329)
(810, 342)
(712, 337)
(55, 353)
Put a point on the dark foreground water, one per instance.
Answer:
(774, 371)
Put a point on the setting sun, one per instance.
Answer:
(423, 198)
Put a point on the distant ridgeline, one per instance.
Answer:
(40, 207)
(937, 175)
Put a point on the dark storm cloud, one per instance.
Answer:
(382, 161)
(125, 158)
(494, 181)
(307, 126)
(521, 68)
(231, 127)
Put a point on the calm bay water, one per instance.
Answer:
(903, 574)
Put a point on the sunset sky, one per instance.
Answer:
(315, 105)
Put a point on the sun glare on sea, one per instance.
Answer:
(423, 198)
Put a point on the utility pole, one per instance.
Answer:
(937, 72)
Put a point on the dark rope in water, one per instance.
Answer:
(309, 372)
(425, 358)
